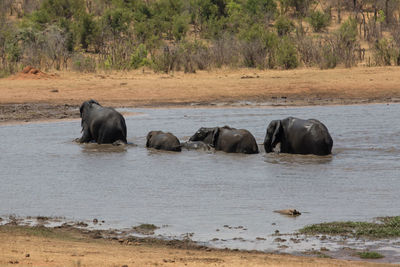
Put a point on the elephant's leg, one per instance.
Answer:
(86, 137)
(109, 135)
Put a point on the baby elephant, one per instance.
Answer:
(163, 141)
(298, 136)
(227, 139)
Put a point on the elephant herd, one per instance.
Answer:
(105, 125)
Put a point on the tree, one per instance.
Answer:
(302, 7)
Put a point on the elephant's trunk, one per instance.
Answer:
(267, 145)
(268, 148)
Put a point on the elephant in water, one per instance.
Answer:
(163, 141)
(298, 136)
(102, 125)
(227, 139)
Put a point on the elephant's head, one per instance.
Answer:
(273, 136)
(207, 135)
(85, 107)
(150, 135)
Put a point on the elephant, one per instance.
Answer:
(103, 125)
(163, 141)
(227, 139)
(297, 136)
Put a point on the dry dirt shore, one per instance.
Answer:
(68, 246)
(27, 97)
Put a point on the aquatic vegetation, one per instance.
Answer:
(385, 227)
(370, 255)
(145, 229)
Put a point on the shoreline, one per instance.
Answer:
(64, 235)
(30, 98)
(46, 112)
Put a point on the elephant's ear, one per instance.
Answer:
(149, 135)
(277, 132)
(92, 101)
(214, 139)
(81, 108)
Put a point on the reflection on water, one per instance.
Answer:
(283, 158)
(105, 148)
(44, 173)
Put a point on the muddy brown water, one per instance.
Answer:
(225, 200)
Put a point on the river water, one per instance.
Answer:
(225, 200)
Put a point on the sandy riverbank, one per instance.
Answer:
(57, 96)
(67, 246)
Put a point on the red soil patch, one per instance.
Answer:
(29, 73)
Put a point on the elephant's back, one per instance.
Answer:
(167, 141)
(247, 143)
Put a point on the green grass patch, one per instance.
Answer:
(370, 255)
(385, 227)
(145, 229)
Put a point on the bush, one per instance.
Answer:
(308, 50)
(329, 58)
(284, 26)
(179, 27)
(195, 55)
(346, 42)
(83, 63)
(87, 31)
(287, 54)
(139, 57)
(165, 59)
(56, 47)
(10, 51)
(225, 51)
(258, 47)
(319, 21)
(383, 52)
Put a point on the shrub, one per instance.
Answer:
(258, 47)
(319, 21)
(197, 55)
(308, 50)
(301, 6)
(287, 54)
(383, 52)
(56, 47)
(225, 51)
(346, 41)
(328, 58)
(165, 59)
(179, 27)
(87, 31)
(139, 57)
(83, 63)
(284, 26)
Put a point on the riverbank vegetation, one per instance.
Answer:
(179, 35)
(385, 227)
